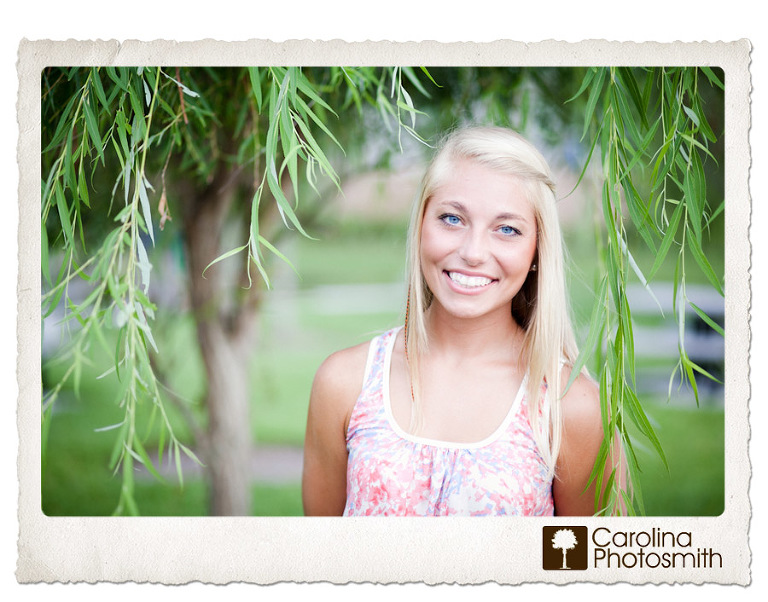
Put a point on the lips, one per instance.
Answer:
(469, 282)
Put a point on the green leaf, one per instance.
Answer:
(99, 89)
(255, 78)
(692, 116)
(119, 76)
(594, 96)
(64, 217)
(598, 468)
(82, 187)
(688, 367)
(628, 79)
(161, 445)
(701, 259)
(608, 492)
(225, 256)
(143, 263)
(190, 454)
(117, 449)
(713, 78)
(588, 159)
(147, 93)
(290, 145)
(44, 265)
(669, 237)
(145, 459)
(586, 80)
(259, 266)
(703, 372)
(411, 76)
(712, 324)
(177, 459)
(596, 322)
(316, 150)
(64, 125)
(640, 419)
(625, 317)
(694, 190)
(286, 211)
(429, 75)
(182, 87)
(308, 112)
(624, 120)
(145, 206)
(274, 250)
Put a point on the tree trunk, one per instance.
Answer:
(229, 431)
(225, 328)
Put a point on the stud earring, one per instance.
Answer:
(533, 267)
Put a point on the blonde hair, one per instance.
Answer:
(541, 306)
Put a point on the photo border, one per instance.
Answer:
(370, 550)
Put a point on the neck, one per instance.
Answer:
(484, 337)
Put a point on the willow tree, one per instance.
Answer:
(652, 129)
(127, 149)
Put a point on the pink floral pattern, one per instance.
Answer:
(391, 473)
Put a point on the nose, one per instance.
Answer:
(474, 247)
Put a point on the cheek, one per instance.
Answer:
(521, 260)
(432, 246)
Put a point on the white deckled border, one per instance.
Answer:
(271, 550)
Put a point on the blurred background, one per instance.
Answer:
(348, 286)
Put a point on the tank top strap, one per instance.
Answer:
(377, 356)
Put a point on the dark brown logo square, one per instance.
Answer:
(564, 548)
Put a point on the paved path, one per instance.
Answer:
(273, 464)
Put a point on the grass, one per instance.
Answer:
(76, 475)
(693, 441)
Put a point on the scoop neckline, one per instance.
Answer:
(491, 438)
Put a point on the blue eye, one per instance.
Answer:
(508, 230)
(450, 219)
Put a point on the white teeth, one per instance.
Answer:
(468, 281)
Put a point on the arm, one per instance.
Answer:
(335, 389)
(582, 438)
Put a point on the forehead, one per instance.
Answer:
(481, 189)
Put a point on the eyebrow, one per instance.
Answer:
(502, 216)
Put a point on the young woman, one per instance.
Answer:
(461, 411)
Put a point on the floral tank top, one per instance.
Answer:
(393, 473)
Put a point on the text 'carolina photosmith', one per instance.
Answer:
(612, 550)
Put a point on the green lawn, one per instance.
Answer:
(693, 441)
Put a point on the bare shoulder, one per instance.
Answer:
(339, 379)
(581, 419)
(581, 404)
(344, 368)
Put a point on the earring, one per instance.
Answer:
(533, 267)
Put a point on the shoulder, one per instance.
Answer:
(582, 420)
(580, 406)
(343, 368)
(339, 381)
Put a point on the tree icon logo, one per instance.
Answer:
(564, 539)
(564, 548)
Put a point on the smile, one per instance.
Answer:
(469, 281)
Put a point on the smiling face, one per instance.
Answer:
(478, 241)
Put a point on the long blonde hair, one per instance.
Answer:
(541, 306)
